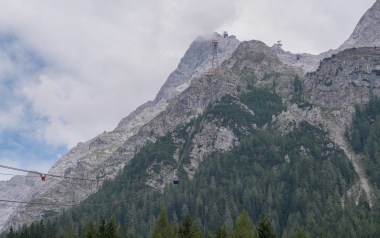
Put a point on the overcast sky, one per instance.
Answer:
(72, 69)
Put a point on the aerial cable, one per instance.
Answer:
(25, 176)
(69, 177)
(184, 150)
(74, 181)
(188, 141)
(75, 204)
(33, 203)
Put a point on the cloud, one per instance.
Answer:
(10, 118)
(103, 59)
(303, 26)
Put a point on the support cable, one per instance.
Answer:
(67, 177)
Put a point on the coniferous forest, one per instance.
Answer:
(364, 136)
(270, 185)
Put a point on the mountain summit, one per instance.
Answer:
(366, 33)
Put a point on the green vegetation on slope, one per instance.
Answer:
(364, 136)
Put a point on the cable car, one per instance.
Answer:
(175, 178)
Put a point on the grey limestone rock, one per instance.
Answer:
(345, 79)
(366, 33)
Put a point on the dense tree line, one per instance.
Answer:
(162, 228)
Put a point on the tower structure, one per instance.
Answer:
(214, 62)
(214, 53)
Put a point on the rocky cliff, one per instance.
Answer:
(342, 81)
(345, 79)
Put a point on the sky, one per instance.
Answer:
(71, 69)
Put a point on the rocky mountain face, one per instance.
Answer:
(366, 33)
(349, 78)
(257, 64)
(14, 189)
(304, 61)
(103, 156)
(345, 79)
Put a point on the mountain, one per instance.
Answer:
(252, 137)
(259, 97)
(103, 156)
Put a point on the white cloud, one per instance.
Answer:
(303, 26)
(6, 66)
(10, 118)
(104, 58)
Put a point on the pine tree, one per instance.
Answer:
(102, 229)
(300, 233)
(265, 229)
(221, 232)
(111, 228)
(90, 230)
(162, 227)
(244, 227)
(69, 229)
(189, 229)
(41, 229)
(11, 233)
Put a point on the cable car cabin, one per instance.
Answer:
(209, 74)
(175, 179)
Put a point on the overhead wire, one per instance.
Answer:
(114, 203)
(28, 176)
(57, 178)
(70, 177)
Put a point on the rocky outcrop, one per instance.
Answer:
(211, 138)
(290, 119)
(304, 61)
(14, 189)
(197, 60)
(343, 80)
